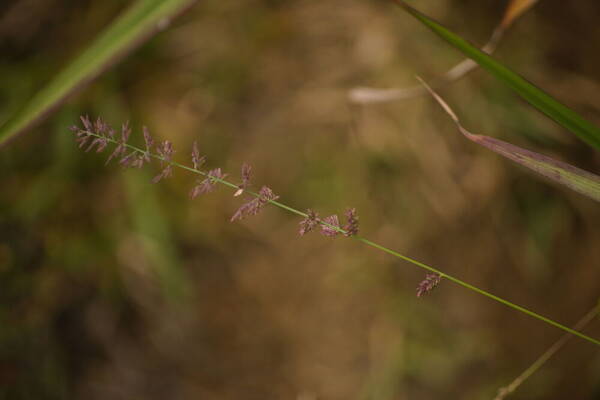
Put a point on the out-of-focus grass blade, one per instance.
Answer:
(156, 237)
(572, 177)
(586, 131)
(136, 24)
(368, 95)
(514, 10)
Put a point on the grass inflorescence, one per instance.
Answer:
(98, 135)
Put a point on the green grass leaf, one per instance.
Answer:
(568, 118)
(133, 27)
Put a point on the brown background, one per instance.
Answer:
(114, 288)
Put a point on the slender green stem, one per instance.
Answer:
(370, 243)
(537, 364)
(133, 27)
(480, 291)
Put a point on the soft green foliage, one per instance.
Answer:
(92, 260)
(130, 29)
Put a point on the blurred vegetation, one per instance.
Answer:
(116, 288)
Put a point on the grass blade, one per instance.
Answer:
(369, 95)
(135, 25)
(565, 174)
(568, 118)
(154, 235)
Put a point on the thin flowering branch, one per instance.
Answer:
(87, 123)
(331, 226)
(428, 284)
(197, 160)
(309, 223)
(101, 142)
(148, 140)
(267, 197)
(246, 172)
(122, 144)
(351, 226)
(254, 206)
(102, 133)
(207, 185)
(137, 159)
(82, 136)
(165, 152)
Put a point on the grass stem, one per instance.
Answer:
(372, 244)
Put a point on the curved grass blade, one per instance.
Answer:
(568, 118)
(369, 95)
(132, 28)
(565, 174)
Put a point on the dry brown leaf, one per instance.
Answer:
(515, 9)
(560, 172)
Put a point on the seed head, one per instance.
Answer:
(309, 223)
(197, 160)
(207, 185)
(329, 230)
(246, 172)
(137, 159)
(121, 148)
(351, 226)
(165, 151)
(148, 139)
(253, 207)
(428, 284)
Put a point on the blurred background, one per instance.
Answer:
(114, 288)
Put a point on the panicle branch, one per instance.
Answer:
(246, 171)
(165, 152)
(331, 226)
(254, 206)
(207, 185)
(197, 159)
(309, 223)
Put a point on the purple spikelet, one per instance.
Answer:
(83, 135)
(87, 123)
(309, 223)
(428, 284)
(329, 230)
(165, 151)
(137, 159)
(253, 207)
(121, 148)
(197, 159)
(351, 226)
(246, 174)
(100, 128)
(99, 133)
(207, 185)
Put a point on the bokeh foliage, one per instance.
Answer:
(116, 288)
